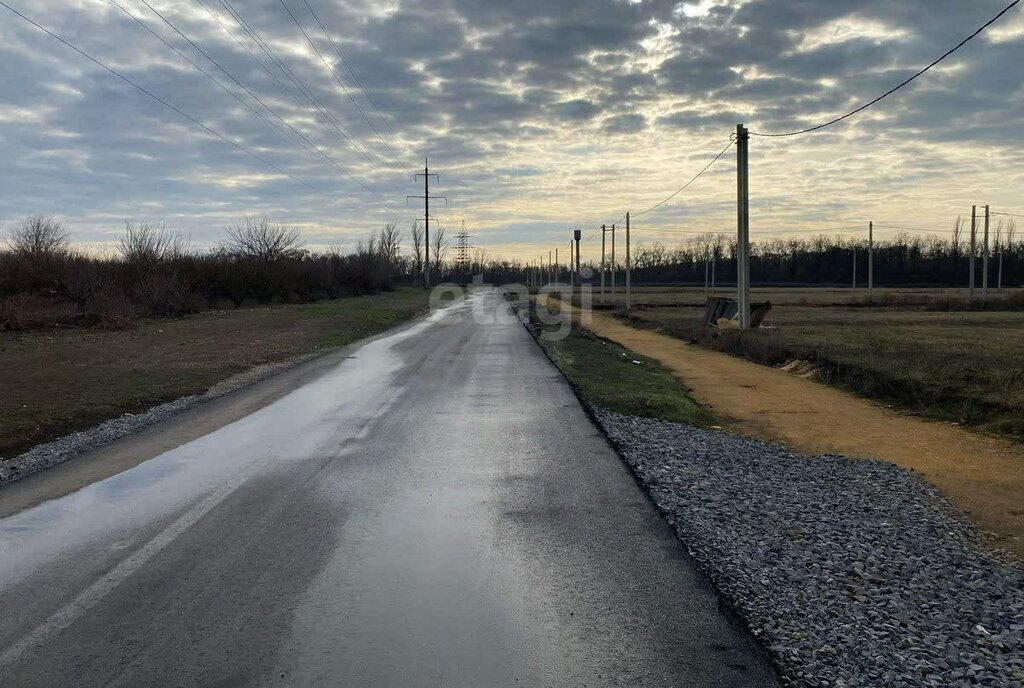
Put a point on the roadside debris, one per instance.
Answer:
(724, 313)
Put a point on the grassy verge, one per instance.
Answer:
(57, 382)
(964, 366)
(611, 377)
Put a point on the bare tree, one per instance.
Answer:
(39, 238)
(258, 238)
(440, 248)
(958, 232)
(389, 242)
(146, 245)
(417, 247)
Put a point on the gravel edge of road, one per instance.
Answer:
(68, 447)
(802, 666)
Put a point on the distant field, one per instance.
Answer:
(951, 365)
(57, 382)
(938, 299)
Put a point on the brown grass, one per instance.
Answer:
(60, 381)
(959, 366)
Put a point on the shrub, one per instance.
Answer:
(111, 309)
(32, 311)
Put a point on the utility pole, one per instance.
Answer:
(550, 268)
(572, 272)
(974, 249)
(576, 234)
(604, 230)
(871, 261)
(426, 214)
(743, 226)
(629, 269)
(613, 261)
(558, 268)
(984, 261)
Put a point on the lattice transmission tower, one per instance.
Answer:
(463, 257)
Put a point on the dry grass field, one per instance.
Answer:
(907, 349)
(57, 382)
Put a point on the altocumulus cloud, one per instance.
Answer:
(539, 115)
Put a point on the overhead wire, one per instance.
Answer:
(334, 74)
(309, 145)
(303, 89)
(167, 104)
(687, 184)
(348, 67)
(896, 88)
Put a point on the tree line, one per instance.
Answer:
(904, 260)
(155, 272)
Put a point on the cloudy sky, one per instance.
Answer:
(539, 115)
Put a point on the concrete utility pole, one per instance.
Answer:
(871, 261)
(743, 226)
(604, 230)
(613, 261)
(984, 261)
(974, 249)
(426, 215)
(576, 234)
(572, 271)
(629, 268)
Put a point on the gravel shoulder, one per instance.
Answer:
(850, 572)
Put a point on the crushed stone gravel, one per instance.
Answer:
(850, 572)
(44, 456)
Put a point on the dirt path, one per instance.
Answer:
(983, 476)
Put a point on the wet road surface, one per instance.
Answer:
(434, 509)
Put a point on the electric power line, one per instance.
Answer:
(337, 52)
(166, 104)
(303, 89)
(204, 53)
(334, 74)
(888, 93)
(672, 195)
(348, 67)
(687, 184)
(305, 141)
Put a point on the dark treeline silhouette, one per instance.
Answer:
(905, 260)
(154, 272)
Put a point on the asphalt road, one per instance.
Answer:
(432, 509)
